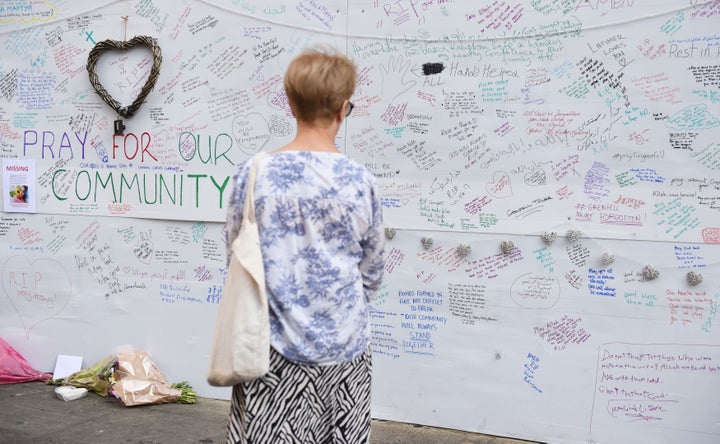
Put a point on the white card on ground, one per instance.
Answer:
(66, 366)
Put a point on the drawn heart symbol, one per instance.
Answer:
(251, 132)
(143, 249)
(114, 45)
(280, 126)
(500, 185)
(38, 290)
(279, 100)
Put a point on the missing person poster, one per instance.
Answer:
(18, 180)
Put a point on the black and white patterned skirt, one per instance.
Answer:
(303, 404)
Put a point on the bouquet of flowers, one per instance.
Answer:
(138, 381)
(95, 378)
(132, 377)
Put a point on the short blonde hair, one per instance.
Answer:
(317, 83)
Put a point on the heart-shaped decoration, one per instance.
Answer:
(463, 249)
(607, 258)
(549, 237)
(110, 45)
(694, 278)
(507, 247)
(38, 290)
(500, 185)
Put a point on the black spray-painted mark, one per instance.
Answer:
(432, 68)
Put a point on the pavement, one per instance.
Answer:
(31, 413)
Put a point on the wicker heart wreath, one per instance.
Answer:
(109, 45)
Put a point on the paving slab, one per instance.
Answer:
(32, 413)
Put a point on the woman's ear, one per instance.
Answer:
(340, 114)
(344, 110)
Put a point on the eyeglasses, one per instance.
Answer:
(350, 108)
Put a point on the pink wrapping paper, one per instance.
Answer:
(14, 368)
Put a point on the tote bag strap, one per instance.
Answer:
(249, 205)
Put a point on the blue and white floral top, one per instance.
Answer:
(320, 224)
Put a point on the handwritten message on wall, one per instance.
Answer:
(583, 133)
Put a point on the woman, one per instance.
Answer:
(320, 224)
(20, 195)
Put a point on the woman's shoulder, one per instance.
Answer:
(318, 167)
(333, 159)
